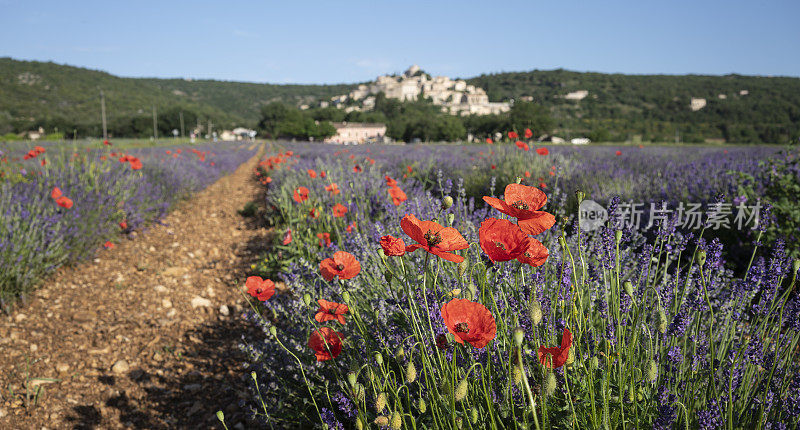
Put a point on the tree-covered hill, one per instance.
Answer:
(655, 107)
(34, 94)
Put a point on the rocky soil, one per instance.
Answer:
(146, 334)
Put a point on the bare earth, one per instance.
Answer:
(144, 336)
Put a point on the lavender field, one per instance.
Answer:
(61, 203)
(456, 287)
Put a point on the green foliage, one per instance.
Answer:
(657, 106)
(780, 177)
(281, 121)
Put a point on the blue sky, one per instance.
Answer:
(354, 41)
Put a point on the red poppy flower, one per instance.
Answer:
(619, 153)
(393, 246)
(287, 237)
(398, 196)
(535, 254)
(339, 210)
(410, 170)
(342, 264)
(330, 311)
(56, 193)
(390, 182)
(136, 164)
(528, 133)
(267, 180)
(333, 189)
(108, 245)
(556, 357)
(522, 145)
(105, 142)
(351, 227)
(513, 135)
(542, 151)
(493, 167)
(324, 239)
(311, 173)
(527, 174)
(64, 202)
(523, 202)
(44, 162)
(313, 213)
(641, 146)
(262, 289)
(501, 240)
(326, 343)
(489, 140)
(322, 174)
(123, 225)
(434, 238)
(39, 149)
(300, 194)
(469, 322)
(356, 168)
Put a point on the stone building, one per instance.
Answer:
(357, 133)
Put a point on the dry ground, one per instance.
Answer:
(144, 336)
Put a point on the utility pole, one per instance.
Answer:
(209, 129)
(103, 114)
(155, 120)
(181, 117)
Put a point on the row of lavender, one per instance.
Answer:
(60, 204)
(614, 330)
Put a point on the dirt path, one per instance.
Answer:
(144, 336)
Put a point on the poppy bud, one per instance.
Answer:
(459, 423)
(400, 352)
(550, 384)
(382, 421)
(380, 402)
(351, 378)
(273, 331)
(447, 202)
(795, 266)
(562, 241)
(346, 296)
(473, 291)
(422, 406)
(519, 336)
(307, 299)
(388, 275)
(662, 321)
(379, 358)
(462, 268)
(536, 313)
(411, 372)
(580, 195)
(701, 257)
(221, 416)
(618, 236)
(474, 416)
(461, 390)
(358, 392)
(359, 423)
(519, 179)
(450, 218)
(516, 374)
(381, 253)
(652, 371)
(253, 375)
(397, 421)
(628, 287)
